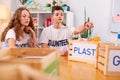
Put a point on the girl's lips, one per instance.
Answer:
(27, 21)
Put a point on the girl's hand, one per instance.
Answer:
(33, 43)
(28, 29)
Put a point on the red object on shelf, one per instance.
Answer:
(48, 22)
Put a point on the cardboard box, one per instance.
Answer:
(109, 59)
(83, 51)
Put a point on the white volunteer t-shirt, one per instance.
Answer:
(56, 38)
(20, 44)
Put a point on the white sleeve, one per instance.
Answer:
(70, 32)
(10, 34)
(44, 36)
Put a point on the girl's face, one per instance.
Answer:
(25, 18)
(58, 16)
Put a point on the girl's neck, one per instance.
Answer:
(57, 25)
(22, 27)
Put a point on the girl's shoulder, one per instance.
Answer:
(11, 30)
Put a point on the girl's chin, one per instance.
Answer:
(25, 24)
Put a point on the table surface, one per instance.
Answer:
(73, 70)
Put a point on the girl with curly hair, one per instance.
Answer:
(20, 31)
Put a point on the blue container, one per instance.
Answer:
(118, 35)
(65, 8)
(118, 39)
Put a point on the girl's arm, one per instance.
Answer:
(33, 35)
(33, 41)
(11, 43)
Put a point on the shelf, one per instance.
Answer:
(44, 12)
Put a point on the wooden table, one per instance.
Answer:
(68, 70)
(72, 70)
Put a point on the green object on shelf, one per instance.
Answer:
(48, 8)
(54, 2)
(23, 1)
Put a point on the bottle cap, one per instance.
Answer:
(118, 35)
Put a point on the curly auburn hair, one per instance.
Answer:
(15, 23)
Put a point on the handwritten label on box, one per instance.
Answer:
(84, 51)
(114, 61)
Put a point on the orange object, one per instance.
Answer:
(96, 39)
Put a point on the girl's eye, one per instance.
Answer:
(24, 16)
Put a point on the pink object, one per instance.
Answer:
(116, 19)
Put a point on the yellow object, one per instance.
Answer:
(96, 39)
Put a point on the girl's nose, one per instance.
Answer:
(27, 18)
